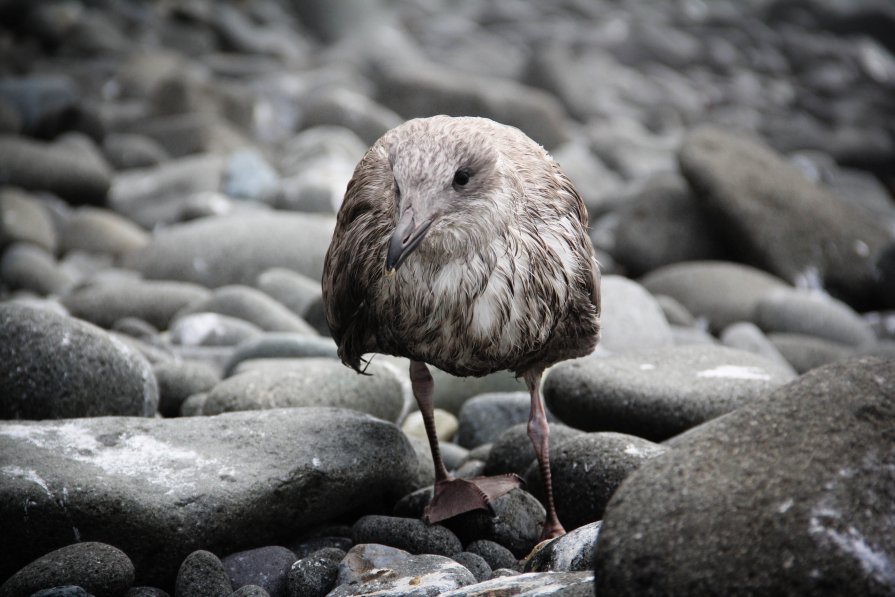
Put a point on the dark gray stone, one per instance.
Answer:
(483, 418)
(232, 250)
(410, 534)
(202, 573)
(314, 575)
(390, 572)
(23, 218)
(24, 266)
(808, 352)
(513, 452)
(495, 555)
(573, 552)
(631, 318)
(586, 472)
(790, 495)
(54, 366)
(265, 567)
(155, 302)
(310, 382)
(212, 329)
(777, 218)
(515, 523)
(98, 568)
(451, 392)
(162, 488)
(178, 380)
(660, 393)
(812, 314)
(474, 563)
(43, 167)
(281, 345)
(250, 305)
(664, 224)
(95, 230)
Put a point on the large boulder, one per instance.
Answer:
(793, 494)
(159, 489)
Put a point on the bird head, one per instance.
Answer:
(447, 188)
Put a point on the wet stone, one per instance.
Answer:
(202, 573)
(573, 552)
(410, 534)
(265, 567)
(98, 568)
(314, 575)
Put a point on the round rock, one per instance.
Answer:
(253, 306)
(587, 470)
(483, 418)
(100, 569)
(314, 575)
(660, 393)
(513, 452)
(812, 314)
(410, 534)
(202, 573)
(265, 567)
(54, 366)
(808, 465)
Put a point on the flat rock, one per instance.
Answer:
(777, 218)
(253, 306)
(217, 483)
(720, 291)
(812, 314)
(101, 569)
(154, 301)
(660, 393)
(809, 466)
(569, 584)
(390, 572)
(587, 470)
(97, 230)
(310, 382)
(631, 318)
(217, 251)
(55, 366)
(44, 167)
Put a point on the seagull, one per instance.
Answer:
(461, 244)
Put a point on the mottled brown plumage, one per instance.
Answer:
(460, 243)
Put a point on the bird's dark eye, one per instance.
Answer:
(461, 177)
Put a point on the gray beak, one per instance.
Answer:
(407, 235)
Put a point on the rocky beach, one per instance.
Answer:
(174, 419)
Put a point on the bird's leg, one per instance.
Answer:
(539, 433)
(451, 496)
(423, 386)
